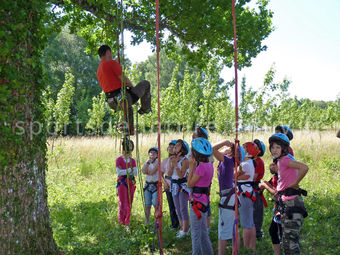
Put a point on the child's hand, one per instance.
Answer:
(173, 160)
(262, 185)
(192, 163)
(273, 168)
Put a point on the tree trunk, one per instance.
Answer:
(24, 215)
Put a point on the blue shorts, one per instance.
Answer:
(246, 211)
(150, 195)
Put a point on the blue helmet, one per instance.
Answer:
(186, 146)
(202, 146)
(241, 153)
(204, 131)
(280, 138)
(288, 132)
(261, 147)
(173, 142)
(153, 149)
(285, 130)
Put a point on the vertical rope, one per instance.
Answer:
(237, 142)
(140, 177)
(124, 98)
(159, 185)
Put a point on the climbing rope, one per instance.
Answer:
(158, 211)
(237, 142)
(124, 103)
(140, 177)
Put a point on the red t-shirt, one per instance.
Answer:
(108, 73)
(291, 151)
(259, 170)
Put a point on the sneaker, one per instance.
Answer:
(180, 234)
(142, 111)
(173, 227)
(186, 233)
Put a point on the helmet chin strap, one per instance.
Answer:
(248, 155)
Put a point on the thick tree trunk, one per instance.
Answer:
(24, 215)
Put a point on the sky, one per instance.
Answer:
(304, 47)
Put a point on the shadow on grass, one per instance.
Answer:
(92, 228)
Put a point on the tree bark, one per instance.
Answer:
(24, 215)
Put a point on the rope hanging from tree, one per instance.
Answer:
(158, 210)
(125, 116)
(237, 142)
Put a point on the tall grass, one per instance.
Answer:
(81, 181)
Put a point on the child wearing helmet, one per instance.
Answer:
(150, 169)
(225, 174)
(199, 179)
(290, 203)
(245, 183)
(179, 166)
(260, 200)
(288, 132)
(167, 183)
(202, 132)
(126, 170)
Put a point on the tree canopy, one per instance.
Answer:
(197, 30)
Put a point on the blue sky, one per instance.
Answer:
(305, 48)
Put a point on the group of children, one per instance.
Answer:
(187, 174)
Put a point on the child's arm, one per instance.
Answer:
(241, 175)
(135, 171)
(172, 165)
(120, 172)
(302, 171)
(154, 170)
(217, 154)
(266, 185)
(181, 172)
(145, 168)
(119, 169)
(192, 177)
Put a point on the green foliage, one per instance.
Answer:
(210, 89)
(62, 106)
(197, 30)
(65, 50)
(97, 114)
(49, 106)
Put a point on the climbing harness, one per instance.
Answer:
(289, 210)
(150, 186)
(247, 194)
(199, 207)
(228, 193)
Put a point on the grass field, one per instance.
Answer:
(81, 180)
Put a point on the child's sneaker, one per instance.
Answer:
(180, 234)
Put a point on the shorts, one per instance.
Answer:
(246, 212)
(226, 219)
(150, 195)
